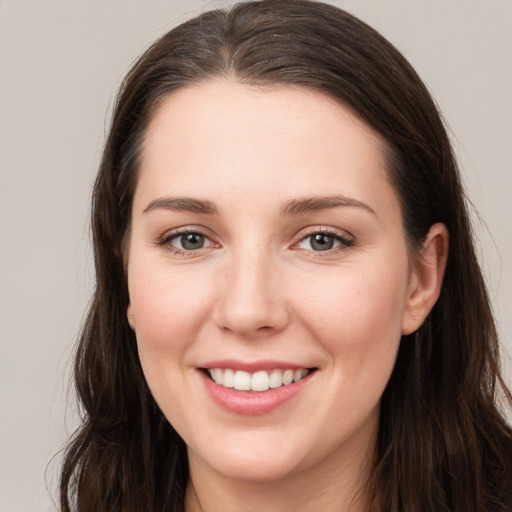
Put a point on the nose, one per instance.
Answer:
(252, 297)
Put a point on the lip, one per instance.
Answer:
(249, 403)
(253, 366)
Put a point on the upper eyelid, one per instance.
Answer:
(336, 232)
(345, 239)
(167, 241)
(172, 233)
(300, 235)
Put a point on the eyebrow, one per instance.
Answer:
(311, 204)
(186, 204)
(291, 208)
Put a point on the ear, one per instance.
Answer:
(426, 279)
(131, 318)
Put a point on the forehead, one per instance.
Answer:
(222, 136)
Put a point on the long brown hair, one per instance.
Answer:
(443, 444)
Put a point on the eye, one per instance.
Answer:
(188, 241)
(323, 242)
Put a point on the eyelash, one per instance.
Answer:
(344, 242)
(166, 242)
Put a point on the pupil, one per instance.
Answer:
(192, 241)
(322, 242)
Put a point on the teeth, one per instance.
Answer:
(288, 377)
(276, 379)
(217, 375)
(242, 381)
(299, 374)
(229, 379)
(258, 381)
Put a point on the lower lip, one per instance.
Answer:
(253, 403)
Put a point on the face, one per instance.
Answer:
(269, 277)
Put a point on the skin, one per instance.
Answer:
(258, 289)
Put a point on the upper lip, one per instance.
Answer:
(252, 366)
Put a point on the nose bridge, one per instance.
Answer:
(251, 300)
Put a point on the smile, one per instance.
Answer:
(258, 381)
(258, 388)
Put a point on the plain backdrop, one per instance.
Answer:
(60, 65)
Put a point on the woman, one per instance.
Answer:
(289, 313)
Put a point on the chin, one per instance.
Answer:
(252, 463)
(257, 471)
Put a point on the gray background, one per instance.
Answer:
(60, 64)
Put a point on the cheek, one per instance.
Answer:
(357, 315)
(167, 311)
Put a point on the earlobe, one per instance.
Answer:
(426, 278)
(131, 318)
